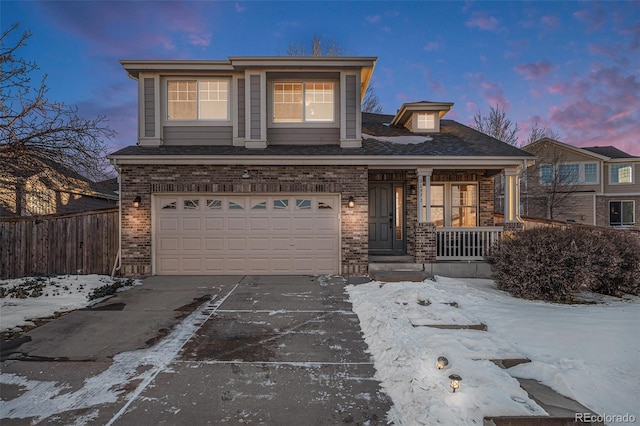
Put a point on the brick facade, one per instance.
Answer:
(146, 180)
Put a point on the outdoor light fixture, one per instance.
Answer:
(442, 362)
(245, 174)
(136, 201)
(351, 203)
(455, 382)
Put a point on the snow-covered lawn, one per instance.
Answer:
(589, 353)
(43, 297)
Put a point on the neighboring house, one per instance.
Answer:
(266, 165)
(594, 185)
(46, 188)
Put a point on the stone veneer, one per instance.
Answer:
(145, 180)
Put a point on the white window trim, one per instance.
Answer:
(635, 219)
(448, 200)
(633, 178)
(581, 172)
(197, 122)
(428, 114)
(305, 124)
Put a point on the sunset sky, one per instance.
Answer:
(572, 66)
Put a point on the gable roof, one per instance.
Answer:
(604, 153)
(609, 151)
(407, 109)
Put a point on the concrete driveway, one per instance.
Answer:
(200, 350)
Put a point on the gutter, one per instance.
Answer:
(117, 264)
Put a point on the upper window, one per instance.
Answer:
(303, 102)
(426, 121)
(546, 174)
(591, 173)
(621, 173)
(569, 173)
(202, 99)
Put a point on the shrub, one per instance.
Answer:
(554, 264)
(109, 289)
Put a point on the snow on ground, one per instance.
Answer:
(587, 352)
(59, 294)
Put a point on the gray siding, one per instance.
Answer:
(303, 136)
(149, 107)
(351, 106)
(198, 135)
(254, 87)
(241, 108)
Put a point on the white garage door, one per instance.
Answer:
(240, 234)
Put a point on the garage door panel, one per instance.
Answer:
(236, 244)
(283, 224)
(303, 224)
(214, 224)
(168, 244)
(191, 224)
(242, 234)
(192, 244)
(169, 224)
(190, 264)
(259, 224)
(213, 244)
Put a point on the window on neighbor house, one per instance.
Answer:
(426, 120)
(591, 173)
(201, 99)
(546, 174)
(621, 173)
(621, 213)
(303, 102)
(569, 173)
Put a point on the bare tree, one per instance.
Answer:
(38, 135)
(497, 124)
(34, 129)
(539, 131)
(551, 184)
(318, 47)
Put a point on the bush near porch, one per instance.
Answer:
(554, 264)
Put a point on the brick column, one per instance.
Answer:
(425, 242)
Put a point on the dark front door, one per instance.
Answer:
(386, 218)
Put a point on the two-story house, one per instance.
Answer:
(266, 165)
(594, 185)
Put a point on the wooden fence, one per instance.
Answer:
(79, 243)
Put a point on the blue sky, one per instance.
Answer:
(572, 66)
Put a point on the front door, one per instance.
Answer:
(386, 218)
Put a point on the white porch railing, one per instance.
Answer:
(465, 243)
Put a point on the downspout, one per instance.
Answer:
(117, 264)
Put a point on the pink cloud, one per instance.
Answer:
(239, 7)
(594, 17)
(431, 46)
(535, 70)
(483, 22)
(491, 91)
(550, 21)
(600, 108)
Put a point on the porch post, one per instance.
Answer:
(425, 232)
(424, 194)
(511, 196)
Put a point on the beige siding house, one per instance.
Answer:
(266, 165)
(594, 185)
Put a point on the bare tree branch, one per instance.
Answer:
(497, 124)
(34, 129)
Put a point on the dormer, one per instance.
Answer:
(421, 117)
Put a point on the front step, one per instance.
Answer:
(397, 276)
(562, 411)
